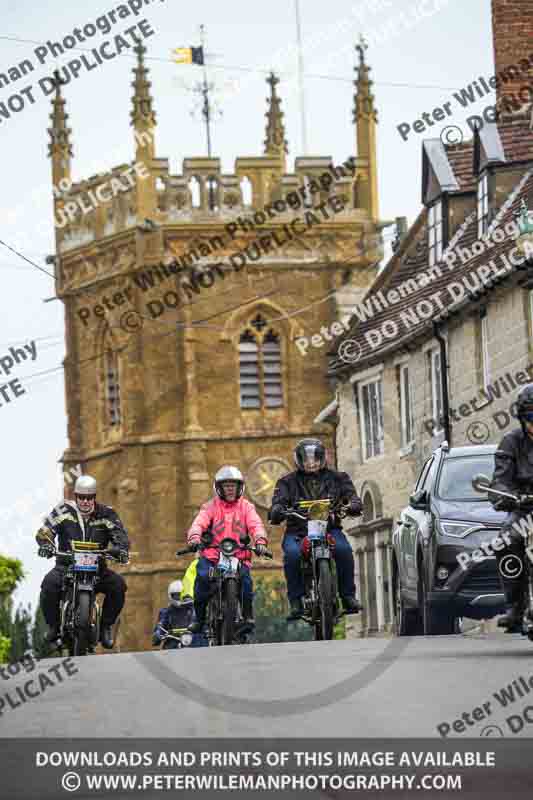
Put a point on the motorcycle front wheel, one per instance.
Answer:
(229, 610)
(326, 622)
(82, 618)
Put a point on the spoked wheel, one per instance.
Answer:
(82, 614)
(229, 611)
(326, 600)
(406, 620)
(213, 623)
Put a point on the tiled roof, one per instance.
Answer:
(410, 262)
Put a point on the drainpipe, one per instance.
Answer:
(444, 378)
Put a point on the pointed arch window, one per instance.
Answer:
(260, 374)
(112, 389)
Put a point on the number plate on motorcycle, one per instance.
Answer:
(227, 563)
(85, 562)
(316, 529)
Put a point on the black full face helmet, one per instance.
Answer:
(310, 455)
(524, 405)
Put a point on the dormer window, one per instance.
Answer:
(482, 205)
(435, 235)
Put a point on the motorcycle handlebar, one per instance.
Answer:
(519, 500)
(187, 550)
(70, 554)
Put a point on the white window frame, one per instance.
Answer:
(485, 358)
(436, 391)
(482, 205)
(380, 429)
(406, 409)
(530, 295)
(435, 233)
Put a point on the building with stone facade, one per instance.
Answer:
(180, 353)
(443, 339)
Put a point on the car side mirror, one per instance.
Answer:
(480, 482)
(419, 500)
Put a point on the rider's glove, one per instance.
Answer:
(119, 553)
(261, 549)
(354, 507)
(45, 551)
(194, 541)
(277, 514)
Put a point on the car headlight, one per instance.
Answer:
(458, 529)
(186, 639)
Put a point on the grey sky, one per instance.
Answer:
(448, 49)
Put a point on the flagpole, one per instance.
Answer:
(301, 77)
(205, 92)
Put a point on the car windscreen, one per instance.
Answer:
(455, 480)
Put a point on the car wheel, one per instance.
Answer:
(435, 622)
(406, 620)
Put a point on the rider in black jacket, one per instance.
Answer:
(312, 480)
(513, 472)
(83, 520)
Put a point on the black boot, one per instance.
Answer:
(248, 611)
(106, 636)
(512, 621)
(297, 610)
(53, 634)
(351, 605)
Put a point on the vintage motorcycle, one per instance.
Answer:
(175, 638)
(481, 483)
(80, 613)
(224, 615)
(322, 609)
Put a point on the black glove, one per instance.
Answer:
(119, 553)
(260, 549)
(277, 514)
(354, 507)
(45, 551)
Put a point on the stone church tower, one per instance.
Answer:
(180, 357)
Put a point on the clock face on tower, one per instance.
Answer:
(262, 477)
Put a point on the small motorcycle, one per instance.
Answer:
(175, 638)
(481, 483)
(224, 615)
(80, 613)
(321, 606)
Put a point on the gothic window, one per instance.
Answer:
(212, 193)
(260, 377)
(194, 187)
(112, 389)
(246, 191)
(369, 508)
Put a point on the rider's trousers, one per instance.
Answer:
(292, 565)
(111, 584)
(511, 558)
(201, 586)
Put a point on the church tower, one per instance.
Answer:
(185, 296)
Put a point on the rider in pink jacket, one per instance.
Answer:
(227, 515)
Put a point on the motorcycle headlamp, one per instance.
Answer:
(186, 639)
(227, 546)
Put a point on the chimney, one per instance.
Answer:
(512, 34)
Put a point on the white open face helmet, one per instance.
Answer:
(174, 593)
(85, 494)
(227, 473)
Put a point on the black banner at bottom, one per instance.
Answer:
(33, 769)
